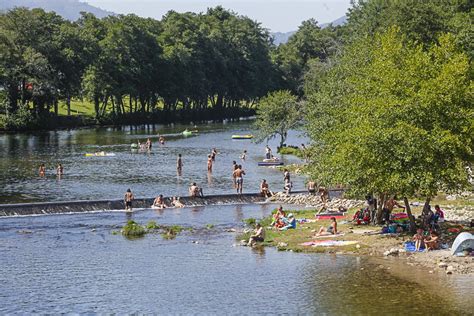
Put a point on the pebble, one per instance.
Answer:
(449, 270)
(282, 244)
(442, 265)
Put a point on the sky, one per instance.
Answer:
(276, 15)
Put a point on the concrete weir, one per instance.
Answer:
(104, 205)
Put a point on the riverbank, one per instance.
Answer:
(362, 240)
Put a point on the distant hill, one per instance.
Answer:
(68, 9)
(281, 38)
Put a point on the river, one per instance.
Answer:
(147, 174)
(75, 263)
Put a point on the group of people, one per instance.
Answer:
(429, 241)
(283, 222)
(59, 170)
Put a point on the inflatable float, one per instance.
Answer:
(100, 154)
(242, 136)
(187, 133)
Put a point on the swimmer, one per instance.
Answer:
(42, 170)
(213, 154)
(148, 144)
(179, 163)
(161, 140)
(209, 163)
(128, 198)
(59, 170)
(244, 155)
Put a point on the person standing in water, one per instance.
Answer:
(238, 174)
(128, 198)
(244, 155)
(213, 154)
(161, 140)
(268, 152)
(148, 144)
(209, 163)
(42, 170)
(286, 176)
(59, 170)
(179, 164)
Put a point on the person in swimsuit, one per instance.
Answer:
(209, 163)
(176, 202)
(244, 155)
(159, 202)
(59, 170)
(268, 152)
(42, 170)
(286, 175)
(195, 191)
(234, 167)
(388, 207)
(330, 230)
(148, 144)
(179, 164)
(128, 200)
(264, 190)
(288, 186)
(258, 236)
(161, 140)
(213, 154)
(239, 180)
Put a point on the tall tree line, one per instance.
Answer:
(126, 64)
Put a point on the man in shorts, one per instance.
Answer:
(239, 180)
(128, 200)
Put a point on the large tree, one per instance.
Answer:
(393, 118)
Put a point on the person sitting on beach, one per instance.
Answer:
(418, 239)
(278, 218)
(331, 230)
(176, 202)
(439, 214)
(432, 241)
(290, 222)
(195, 191)
(264, 190)
(159, 202)
(311, 187)
(128, 198)
(258, 236)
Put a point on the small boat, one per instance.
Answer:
(248, 136)
(187, 133)
(100, 154)
(270, 162)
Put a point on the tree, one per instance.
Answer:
(277, 113)
(394, 118)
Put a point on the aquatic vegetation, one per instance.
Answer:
(171, 232)
(152, 225)
(210, 226)
(132, 229)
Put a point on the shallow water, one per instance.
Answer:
(73, 263)
(88, 178)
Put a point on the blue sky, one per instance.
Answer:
(276, 15)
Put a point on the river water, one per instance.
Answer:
(89, 178)
(75, 264)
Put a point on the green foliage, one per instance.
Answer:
(277, 113)
(210, 226)
(394, 117)
(133, 230)
(21, 120)
(152, 225)
(291, 150)
(250, 221)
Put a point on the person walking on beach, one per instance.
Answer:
(179, 163)
(128, 198)
(239, 180)
(42, 170)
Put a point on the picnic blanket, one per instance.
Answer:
(410, 247)
(326, 236)
(329, 243)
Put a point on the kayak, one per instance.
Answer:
(100, 154)
(242, 136)
(270, 163)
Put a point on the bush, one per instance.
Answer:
(291, 150)
(133, 229)
(21, 120)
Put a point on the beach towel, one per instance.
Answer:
(330, 236)
(329, 243)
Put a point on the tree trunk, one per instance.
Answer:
(381, 202)
(410, 215)
(55, 106)
(12, 98)
(68, 103)
(96, 106)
